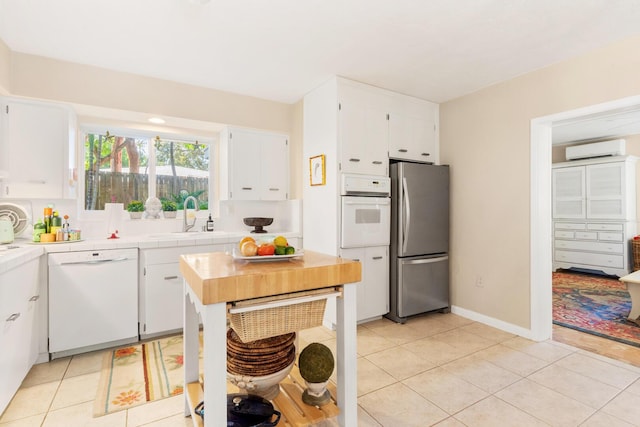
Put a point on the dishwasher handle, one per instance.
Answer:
(98, 261)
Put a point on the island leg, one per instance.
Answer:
(214, 322)
(346, 348)
(191, 345)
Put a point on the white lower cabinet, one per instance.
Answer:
(373, 289)
(161, 288)
(19, 301)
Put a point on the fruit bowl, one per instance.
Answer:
(257, 223)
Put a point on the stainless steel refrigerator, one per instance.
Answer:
(419, 255)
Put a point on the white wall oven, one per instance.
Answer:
(366, 211)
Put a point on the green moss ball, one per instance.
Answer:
(316, 363)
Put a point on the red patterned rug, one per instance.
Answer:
(594, 304)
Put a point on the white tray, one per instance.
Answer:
(267, 258)
(57, 243)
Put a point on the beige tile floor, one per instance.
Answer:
(439, 369)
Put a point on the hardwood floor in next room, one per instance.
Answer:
(602, 346)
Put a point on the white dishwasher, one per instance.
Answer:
(93, 300)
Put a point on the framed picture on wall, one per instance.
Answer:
(317, 170)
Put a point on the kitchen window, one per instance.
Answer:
(122, 166)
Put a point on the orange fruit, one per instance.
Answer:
(246, 239)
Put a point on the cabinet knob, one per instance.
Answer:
(34, 298)
(354, 160)
(377, 162)
(170, 277)
(247, 188)
(274, 189)
(376, 257)
(425, 154)
(402, 150)
(13, 317)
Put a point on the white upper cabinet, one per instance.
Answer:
(362, 131)
(254, 165)
(606, 191)
(37, 144)
(569, 192)
(412, 129)
(595, 189)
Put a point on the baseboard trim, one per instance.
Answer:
(490, 321)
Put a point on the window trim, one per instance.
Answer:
(136, 132)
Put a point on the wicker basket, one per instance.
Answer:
(261, 318)
(635, 249)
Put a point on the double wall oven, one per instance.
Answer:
(365, 223)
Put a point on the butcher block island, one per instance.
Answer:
(215, 282)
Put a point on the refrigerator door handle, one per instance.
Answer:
(426, 260)
(407, 217)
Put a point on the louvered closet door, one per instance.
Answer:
(569, 192)
(605, 191)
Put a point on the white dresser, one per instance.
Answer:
(594, 214)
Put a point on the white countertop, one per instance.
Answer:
(23, 250)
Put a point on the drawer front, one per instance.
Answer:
(586, 235)
(612, 237)
(590, 259)
(606, 227)
(612, 248)
(570, 226)
(561, 234)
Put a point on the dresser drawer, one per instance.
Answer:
(587, 235)
(589, 259)
(570, 225)
(562, 234)
(606, 247)
(605, 227)
(612, 237)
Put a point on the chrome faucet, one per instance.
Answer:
(186, 226)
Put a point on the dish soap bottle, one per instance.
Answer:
(209, 223)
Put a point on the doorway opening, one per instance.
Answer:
(542, 132)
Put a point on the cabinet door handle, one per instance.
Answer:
(170, 277)
(377, 162)
(247, 188)
(34, 298)
(37, 181)
(354, 160)
(376, 257)
(274, 189)
(402, 150)
(13, 317)
(425, 154)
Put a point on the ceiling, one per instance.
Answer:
(279, 50)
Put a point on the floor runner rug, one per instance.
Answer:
(595, 305)
(140, 373)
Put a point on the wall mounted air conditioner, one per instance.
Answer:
(615, 147)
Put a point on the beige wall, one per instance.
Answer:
(44, 78)
(485, 138)
(5, 67)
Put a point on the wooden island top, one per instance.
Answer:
(217, 277)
